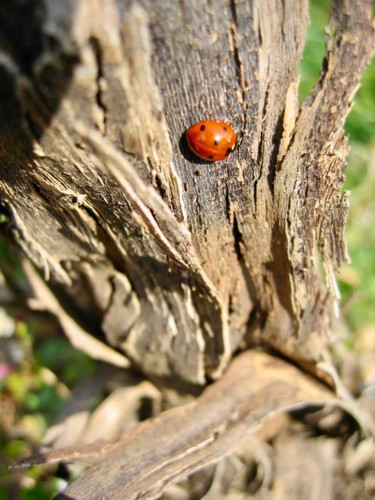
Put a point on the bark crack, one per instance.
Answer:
(239, 67)
(99, 97)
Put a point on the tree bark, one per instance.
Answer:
(172, 261)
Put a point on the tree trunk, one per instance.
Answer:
(155, 259)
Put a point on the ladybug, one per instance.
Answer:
(210, 140)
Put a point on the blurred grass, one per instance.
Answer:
(38, 369)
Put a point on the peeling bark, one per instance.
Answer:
(227, 248)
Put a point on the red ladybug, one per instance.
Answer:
(210, 140)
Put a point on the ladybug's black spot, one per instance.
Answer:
(225, 128)
(229, 150)
(216, 142)
(211, 157)
(203, 127)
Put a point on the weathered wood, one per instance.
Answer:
(180, 263)
(182, 259)
(159, 452)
